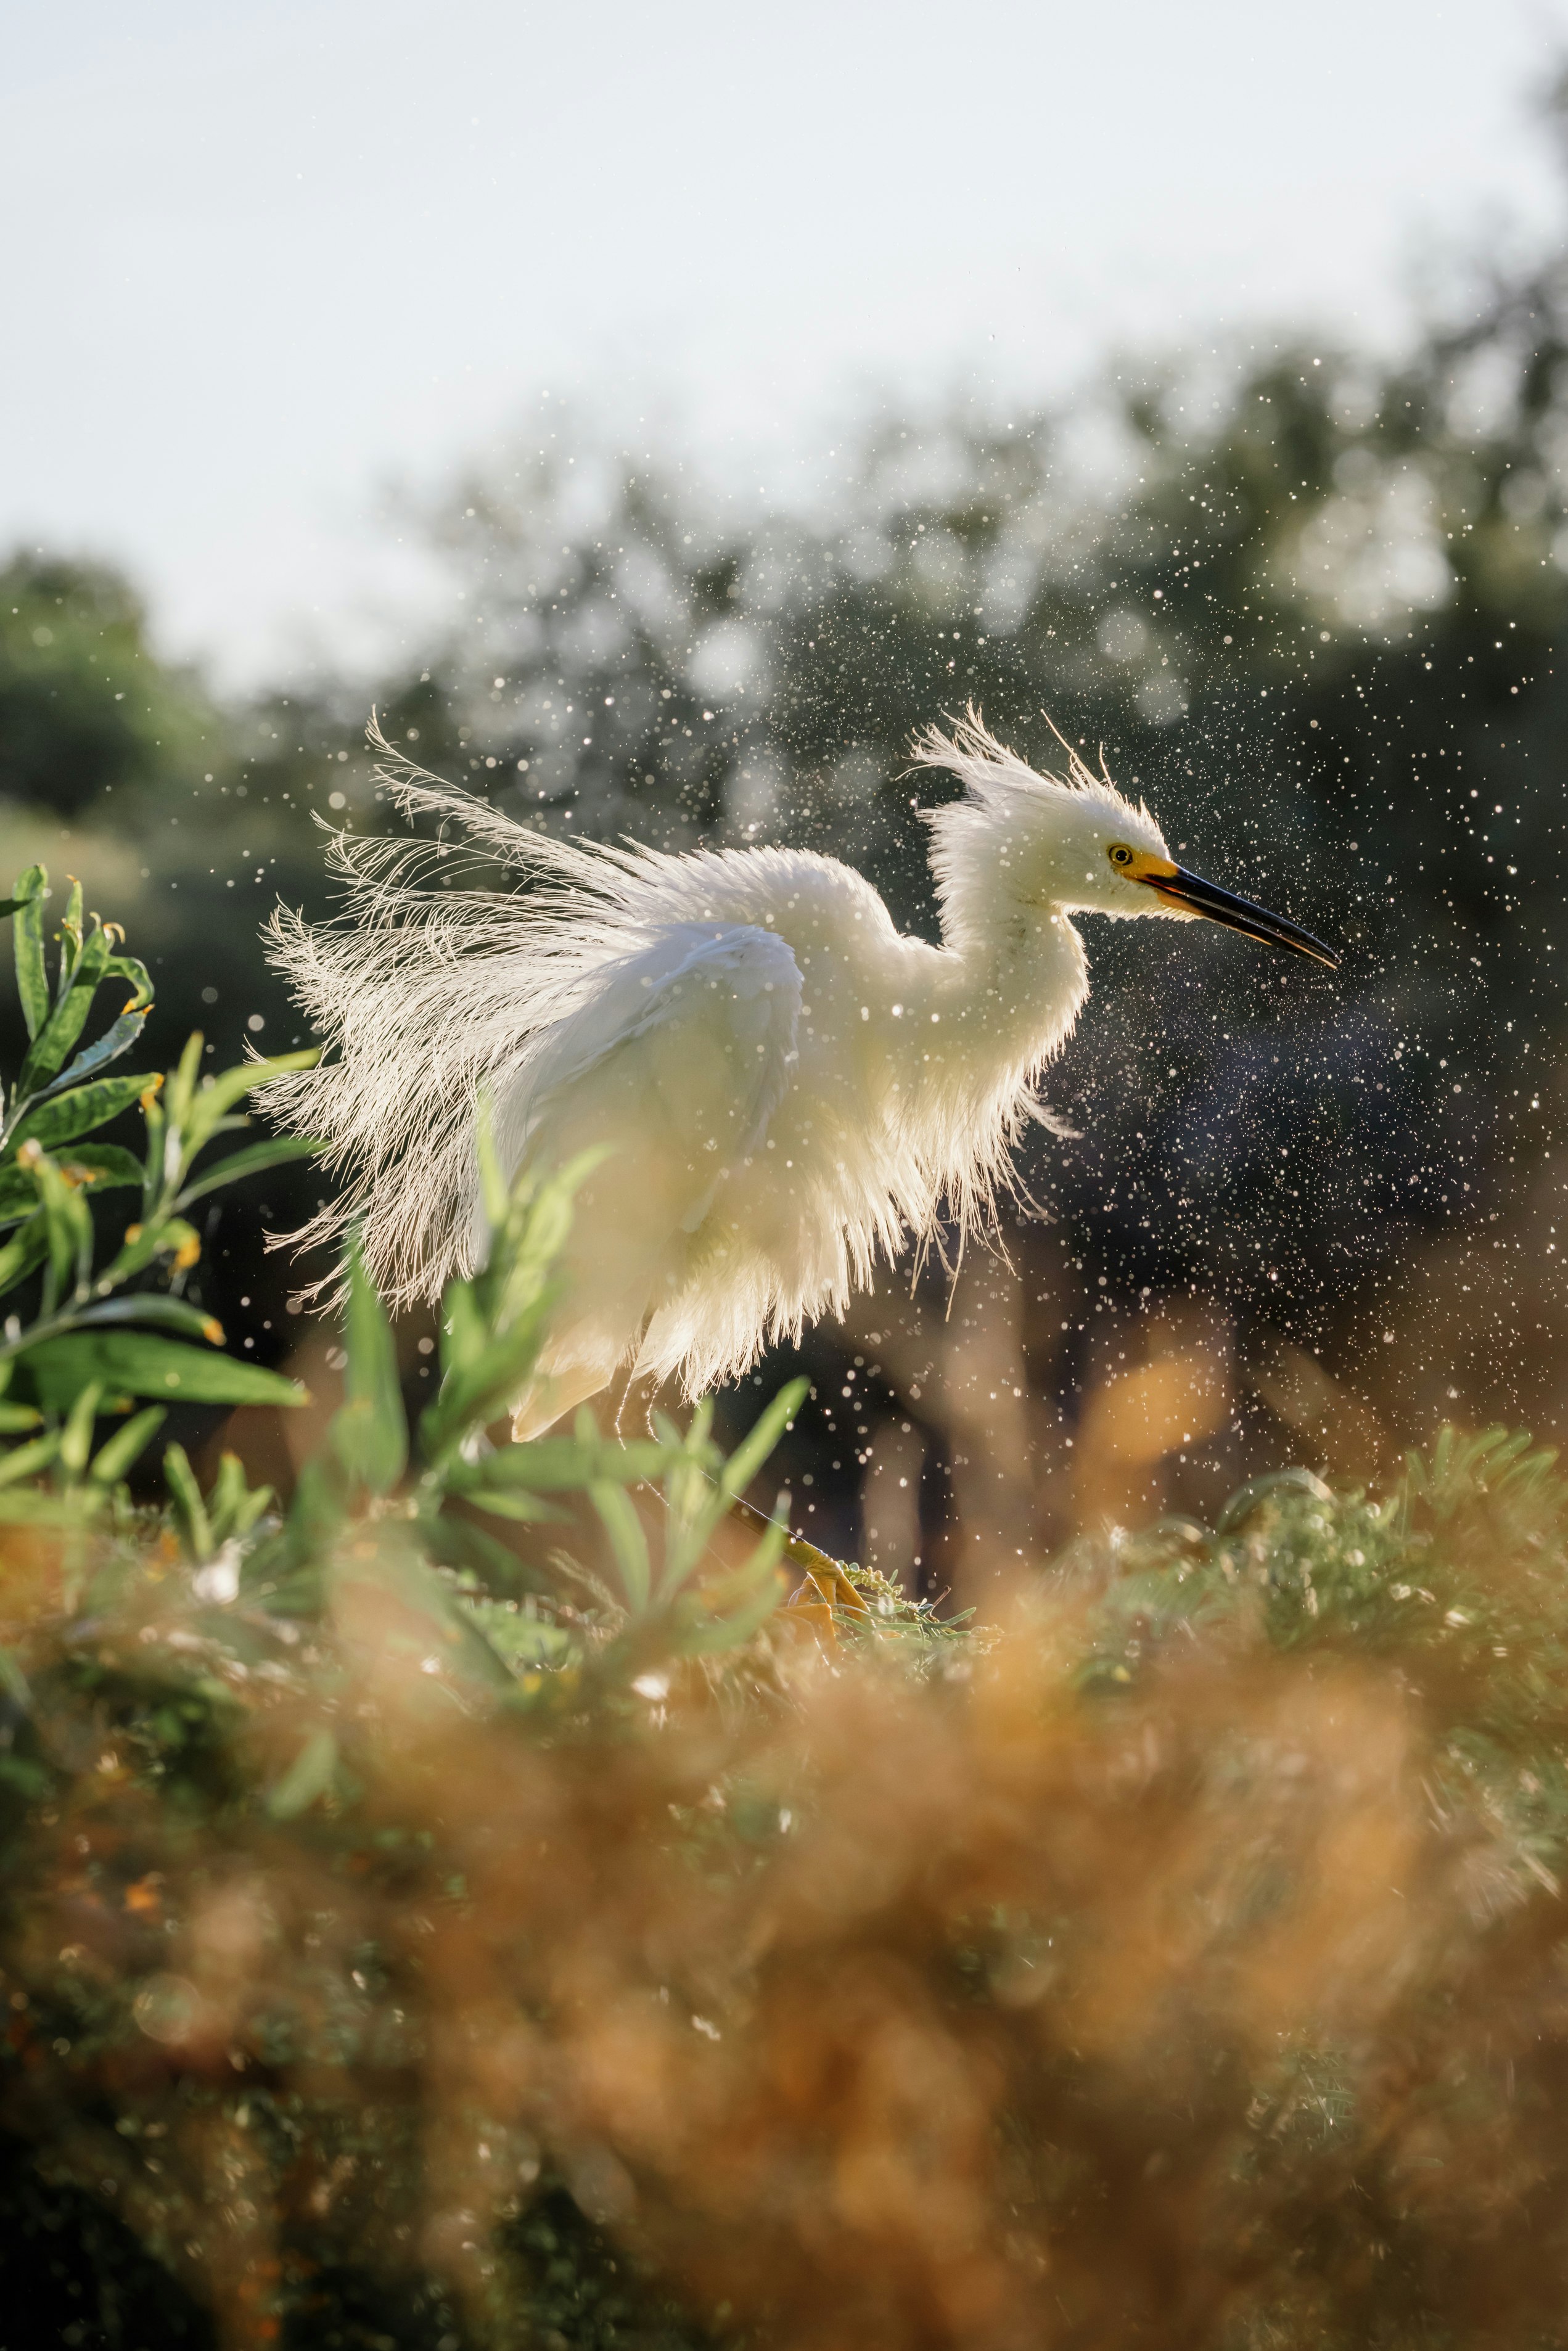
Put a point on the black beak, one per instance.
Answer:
(1240, 914)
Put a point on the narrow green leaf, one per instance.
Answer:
(233, 1506)
(525, 1508)
(68, 1221)
(130, 967)
(24, 1251)
(189, 1510)
(619, 1517)
(161, 1236)
(483, 1389)
(210, 1102)
(65, 1117)
(755, 1448)
(68, 1019)
(108, 1048)
(463, 1328)
(369, 1436)
(493, 1190)
(14, 1418)
(27, 941)
(76, 1438)
(173, 1313)
(70, 937)
(552, 1464)
(140, 1363)
(110, 1462)
(182, 1083)
(309, 1775)
(241, 1163)
(28, 1460)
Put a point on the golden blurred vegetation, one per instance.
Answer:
(1179, 1958)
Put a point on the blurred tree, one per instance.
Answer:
(86, 709)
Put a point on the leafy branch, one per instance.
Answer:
(99, 1339)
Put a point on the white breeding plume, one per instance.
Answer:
(786, 1087)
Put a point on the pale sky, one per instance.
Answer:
(263, 261)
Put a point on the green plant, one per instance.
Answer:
(442, 1494)
(98, 1337)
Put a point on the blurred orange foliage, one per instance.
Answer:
(871, 2009)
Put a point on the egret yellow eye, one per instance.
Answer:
(1120, 855)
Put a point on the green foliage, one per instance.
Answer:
(439, 1488)
(86, 709)
(1458, 1576)
(97, 1337)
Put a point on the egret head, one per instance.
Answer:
(1073, 842)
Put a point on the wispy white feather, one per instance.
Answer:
(790, 1089)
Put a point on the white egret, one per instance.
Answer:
(788, 1088)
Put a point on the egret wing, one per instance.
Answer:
(672, 1067)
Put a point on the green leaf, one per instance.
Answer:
(130, 967)
(27, 940)
(619, 1515)
(68, 1221)
(112, 1461)
(173, 1313)
(65, 1117)
(241, 1163)
(67, 1021)
(24, 1251)
(309, 1775)
(483, 1389)
(463, 1328)
(524, 1507)
(139, 1364)
(755, 1448)
(28, 1460)
(76, 1438)
(69, 937)
(206, 1105)
(552, 1464)
(369, 1436)
(233, 1506)
(108, 1048)
(189, 1510)
(161, 1237)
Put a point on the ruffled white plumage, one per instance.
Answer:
(788, 1090)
